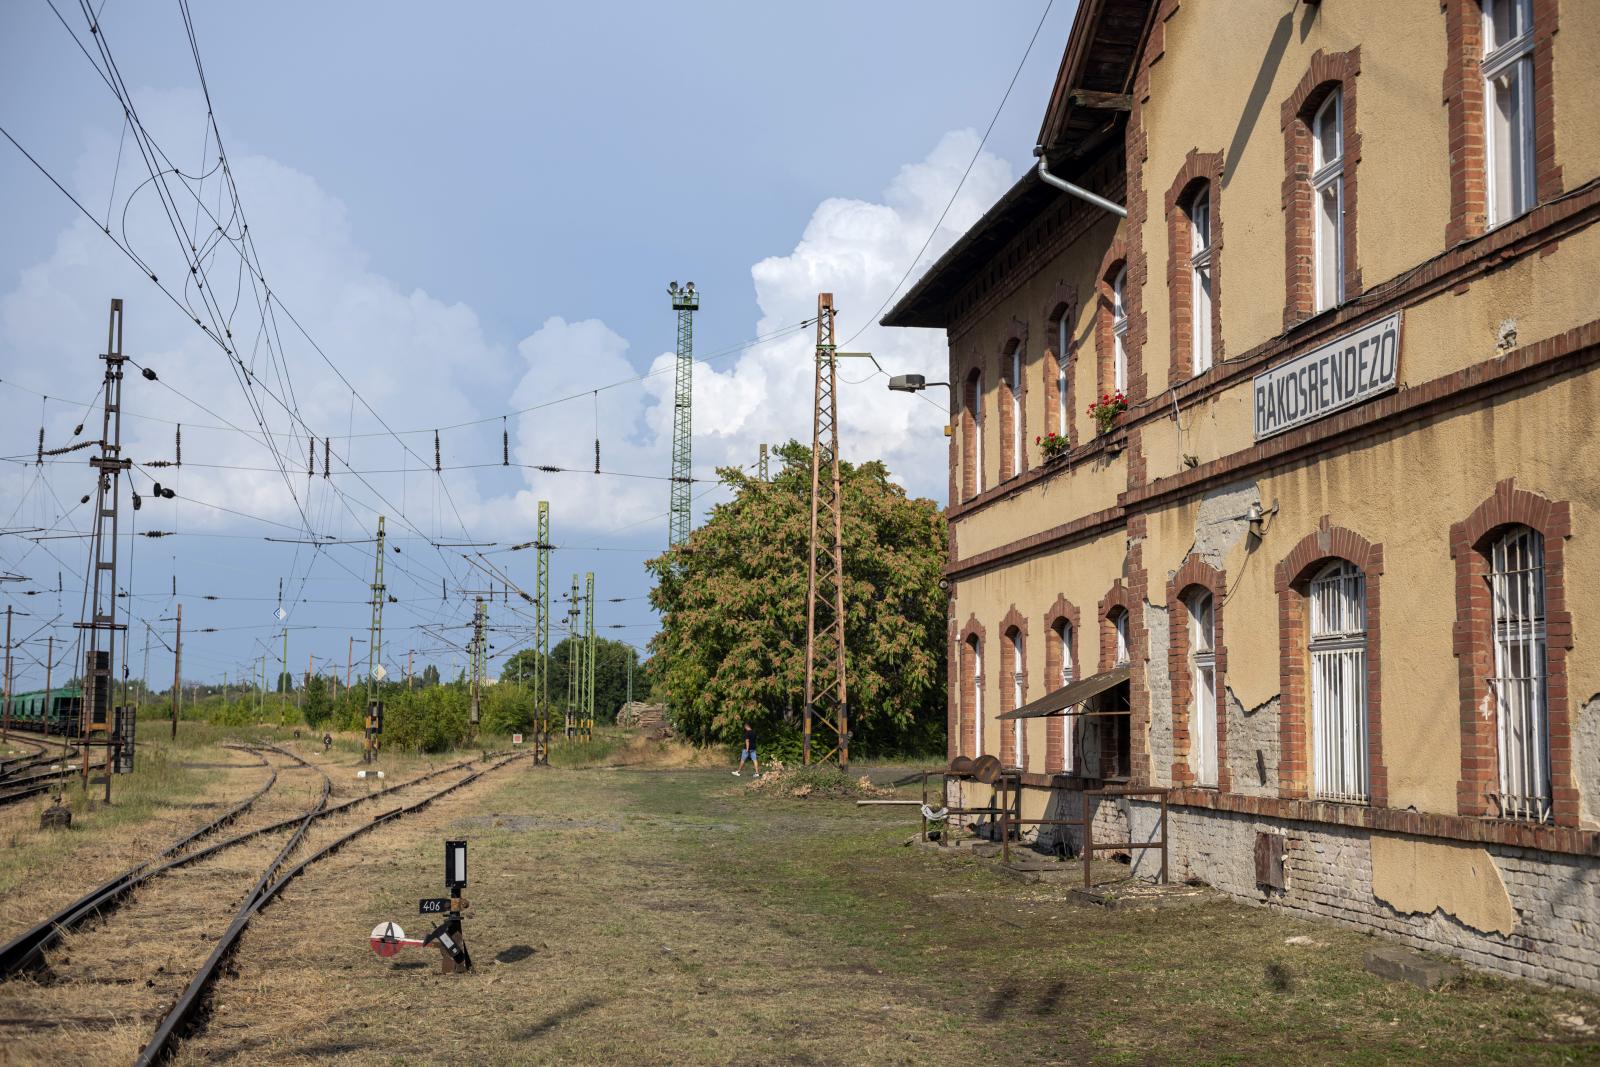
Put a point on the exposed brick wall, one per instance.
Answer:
(1196, 574)
(1294, 720)
(1061, 613)
(1327, 73)
(1465, 107)
(1014, 634)
(1198, 167)
(1470, 541)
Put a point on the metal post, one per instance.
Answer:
(1163, 838)
(588, 659)
(5, 727)
(177, 673)
(761, 464)
(1088, 839)
(685, 302)
(541, 639)
(349, 659)
(572, 656)
(101, 623)
(373, 719)
(826, 694)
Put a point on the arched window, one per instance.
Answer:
(1327, 185)
(1063, 339)
(1203, 687)
(1010, 400)
(974, 672)
(1517, 603)
(1338, 650)
(1200, 275)
(1061, 634)
(972, 438)
(1016, 680)
(1119, 629)
(1119, 330)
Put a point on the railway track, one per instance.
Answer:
(143, 967)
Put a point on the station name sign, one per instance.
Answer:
(1357, 366)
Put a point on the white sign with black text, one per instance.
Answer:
(1354, 368)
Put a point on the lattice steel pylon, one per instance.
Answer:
(685, 302)
(101, 625)
(574, 663)
(761, 465)
(374, 720)
(588, 656)
(826, 693)
(541, 621)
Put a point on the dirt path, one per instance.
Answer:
(664, 917)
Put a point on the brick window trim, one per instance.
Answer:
(1116, 259)
(1326, 73)
(1291, 578)
(1195, 574)
(969, 678)
(1473, 646)
(1062, 305)
(1016, 340)
(1055, 739)
(1465, 110)
(1016, 623)
(1197, 167)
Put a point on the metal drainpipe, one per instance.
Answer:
(1077, 190)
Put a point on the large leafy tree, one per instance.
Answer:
(733, 608)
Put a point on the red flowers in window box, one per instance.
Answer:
(1105, 410)
(1053, 445)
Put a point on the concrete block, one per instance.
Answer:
(1403, 965)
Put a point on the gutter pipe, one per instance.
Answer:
(1077, 190)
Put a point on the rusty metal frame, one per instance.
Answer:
(1086, 822)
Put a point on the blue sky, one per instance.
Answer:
(474, 213)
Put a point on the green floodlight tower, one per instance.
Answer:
(685, 301)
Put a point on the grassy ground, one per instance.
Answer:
(177, 786)
(673, 916)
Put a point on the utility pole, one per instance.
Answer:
(409, 653)
(5, 729)
(375, 671)
(177, 673)
(826, 697)
(685, 302)
(761, 464)
(541, 661)
(349, 659)
(588, 658)
(572, 658)
(144, 678)
(479, 616)
(102, 624)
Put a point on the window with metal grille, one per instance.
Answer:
(1327, 186)
(1203, 707)
(1063, 634)
(1200, 271)
(1516, 587)
(1119, 331)
(1508, 104)
(1339, 683)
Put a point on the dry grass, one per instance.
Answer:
(657, 917)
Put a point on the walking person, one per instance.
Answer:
(749, 752)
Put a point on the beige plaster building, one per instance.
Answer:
(1346, 535)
